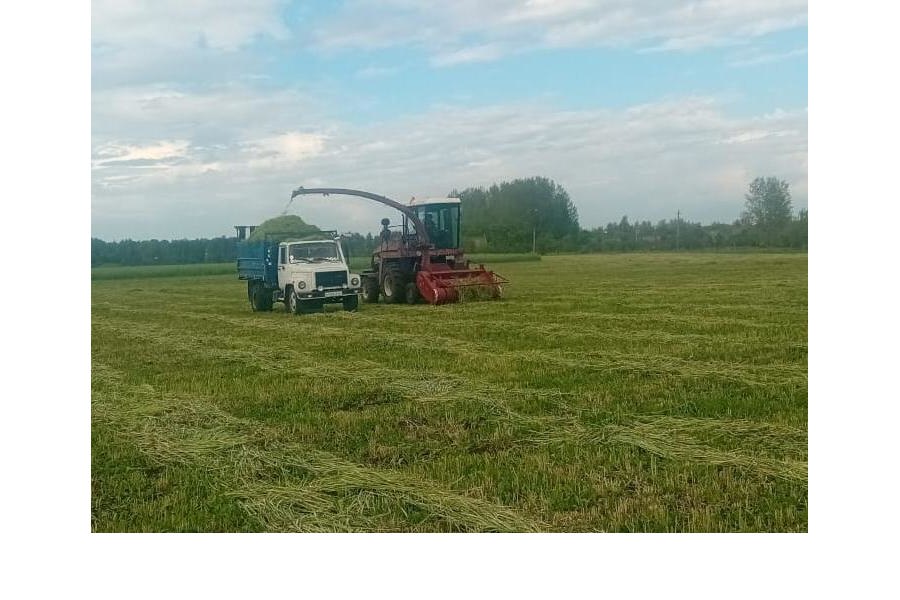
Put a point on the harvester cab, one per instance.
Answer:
(422, 258)
(440, 218)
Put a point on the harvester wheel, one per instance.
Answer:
(412, 293)
(392, 286)
(370, 290)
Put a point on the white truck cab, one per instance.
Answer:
(312, 273)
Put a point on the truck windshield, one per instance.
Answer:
(314, 252)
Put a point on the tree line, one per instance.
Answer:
(534, 214)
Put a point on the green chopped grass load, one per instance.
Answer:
(285, 227)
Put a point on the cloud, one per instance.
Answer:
(473, 54)
(284, 149)
(765, 59)
(645, 161)
(140, 41)
(467, 30)
(221, 24)
(111, 154)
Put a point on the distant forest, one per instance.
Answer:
(531, 214)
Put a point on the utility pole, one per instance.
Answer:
(677, 230)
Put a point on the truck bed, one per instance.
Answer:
(256, 261)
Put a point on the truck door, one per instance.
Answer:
(282, 266)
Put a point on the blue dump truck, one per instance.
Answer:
(305, 275)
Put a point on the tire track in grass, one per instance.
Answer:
(287, 487)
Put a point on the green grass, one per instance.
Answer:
(652, 392)
(145, 271)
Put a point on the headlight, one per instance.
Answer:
(354, 282)
(302, 285)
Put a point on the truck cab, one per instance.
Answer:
(315, 272)
(304, 274)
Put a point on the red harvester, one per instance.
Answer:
(421, 259)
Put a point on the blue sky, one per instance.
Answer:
(206, 115)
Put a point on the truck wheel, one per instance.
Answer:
(287, 299)
(351, 303)
(370, 290)
(260, 297)
(294, 304)
(392, 286)
(266, 300)
(251, 294)
(412, 293)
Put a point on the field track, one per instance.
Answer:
(635, 392)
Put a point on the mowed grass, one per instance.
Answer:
(656, 392)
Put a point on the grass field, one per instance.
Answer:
(634, 392)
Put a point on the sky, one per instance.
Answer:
(206, 114)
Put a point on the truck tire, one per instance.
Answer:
(393, 286)
(351, 303)
(251, 294)
(294, 303)
(412, 293)
(370, 290)
(260, 297)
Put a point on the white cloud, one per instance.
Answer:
(284, 149)
(768, 58)
(474, 30)
(645, 161)
(221, 24)
(481, 53)
(114, 153)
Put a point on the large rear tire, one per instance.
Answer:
(393, 286)
(370, 290)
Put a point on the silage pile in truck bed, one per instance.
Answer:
(285, 227)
